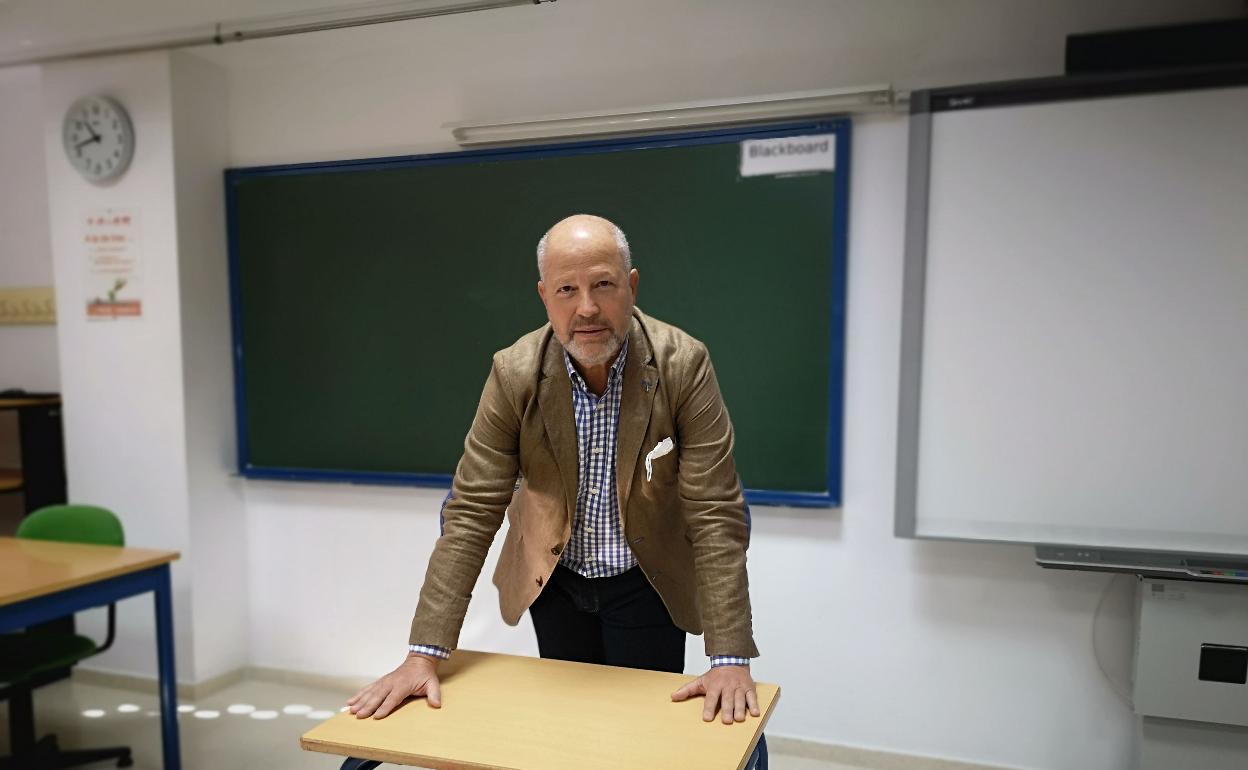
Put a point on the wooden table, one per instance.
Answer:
(17, 402)
(10, 480)
(504, 712)
(42, 580)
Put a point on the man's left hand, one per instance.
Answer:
(728, 689)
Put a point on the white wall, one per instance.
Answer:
(950, 649)
(27, 353)
(148, 401)
(954, 650)
(122, 380)
(217, 517)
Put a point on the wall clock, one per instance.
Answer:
(98, 138)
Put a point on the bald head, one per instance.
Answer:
(588, 286)
(582, 234)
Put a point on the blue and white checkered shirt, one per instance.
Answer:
(598, 547)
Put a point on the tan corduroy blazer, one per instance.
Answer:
(686, 524)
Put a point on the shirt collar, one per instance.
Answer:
(617, 368)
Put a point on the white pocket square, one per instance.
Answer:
(663, 447)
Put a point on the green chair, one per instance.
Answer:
(36, 657)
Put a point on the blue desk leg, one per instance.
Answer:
(168, 672)
(758, 761)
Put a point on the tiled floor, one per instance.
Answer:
(228, 741)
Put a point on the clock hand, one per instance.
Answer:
(95, 138)
(87, 125)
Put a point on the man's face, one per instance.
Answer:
(588, 295)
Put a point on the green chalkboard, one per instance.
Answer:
(368, 297)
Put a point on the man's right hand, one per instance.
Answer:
(418, 675)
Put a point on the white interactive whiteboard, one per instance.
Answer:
(1075, 353)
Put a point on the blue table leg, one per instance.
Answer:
(758, 760)
(168, 673)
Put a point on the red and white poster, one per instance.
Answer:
(114, 281)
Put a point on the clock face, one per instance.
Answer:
(99, 140)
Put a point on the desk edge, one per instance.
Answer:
(439, 763)
(157, 559)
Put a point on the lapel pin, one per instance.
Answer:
(646, 385)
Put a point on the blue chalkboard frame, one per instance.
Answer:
(841, 127)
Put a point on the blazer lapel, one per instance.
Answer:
(554, 398)
(641, 381)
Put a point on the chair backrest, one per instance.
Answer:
(73, 524)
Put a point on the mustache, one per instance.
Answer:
(594, 324)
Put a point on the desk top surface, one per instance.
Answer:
(30, 568)
(18, 402)
(10, 479)
(505, 712)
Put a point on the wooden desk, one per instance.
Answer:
(10, 480)
(41, 580)
(504, 712)
(18, 402)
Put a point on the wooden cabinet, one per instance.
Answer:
(32, 456)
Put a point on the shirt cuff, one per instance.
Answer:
(430, 650)
(728, 660)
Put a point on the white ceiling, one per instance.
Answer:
(29, 26)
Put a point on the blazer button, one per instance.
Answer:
(539, 581)
(558, 549)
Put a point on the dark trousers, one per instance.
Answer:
(617, 621)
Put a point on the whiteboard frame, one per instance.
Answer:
(924, 104)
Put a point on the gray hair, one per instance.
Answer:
(621, 245)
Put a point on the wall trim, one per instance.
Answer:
(148, 685)
(348, 684)
(869, 759)
(196, 690)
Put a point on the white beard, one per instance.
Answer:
(593, 354)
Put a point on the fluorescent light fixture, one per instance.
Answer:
(357, 15)
(218, 33)
(667, 117)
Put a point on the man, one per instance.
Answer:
(628, 527)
